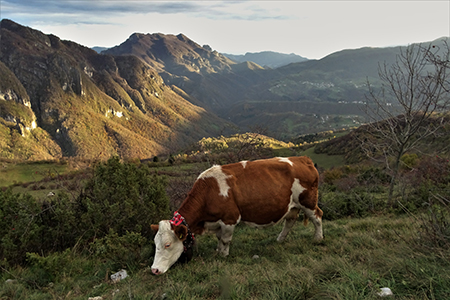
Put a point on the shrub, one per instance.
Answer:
(128, 249)
(20, 228)
(374, 176)
(436, 230)
(346, 184)
(358, 203)
(431, 176)
(329, 176)
(433, 234)
(409, 161)
(124, 198)
(45, 269)
(436, 169)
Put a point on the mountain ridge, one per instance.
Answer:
(155, 93)
(88, 105)
(267, 59)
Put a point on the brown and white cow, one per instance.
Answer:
(259, 193)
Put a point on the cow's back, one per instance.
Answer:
(262, 189)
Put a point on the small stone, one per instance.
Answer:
(385, 292)
(116, 277)
(10, 281)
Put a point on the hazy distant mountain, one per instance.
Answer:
(267, 58)
(58, 98)
(99, 49)
(314, 95)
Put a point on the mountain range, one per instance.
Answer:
(157, 93)
(267, 59)
(58, 98)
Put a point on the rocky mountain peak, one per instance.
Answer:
(76, 102)
(177, 55)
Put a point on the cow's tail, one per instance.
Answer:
(305, 220)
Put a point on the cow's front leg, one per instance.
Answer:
(225, 236)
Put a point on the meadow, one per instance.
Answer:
(97, 223)
(18, 173)
(356, 259)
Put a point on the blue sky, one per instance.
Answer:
(312, 29)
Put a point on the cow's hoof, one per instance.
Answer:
(280, 238)
(318, 240)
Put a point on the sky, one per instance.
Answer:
(312, 29)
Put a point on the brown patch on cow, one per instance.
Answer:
(260, 193)
(180, 231)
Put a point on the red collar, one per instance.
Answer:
(178, 220)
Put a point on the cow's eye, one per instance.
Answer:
(167, 245)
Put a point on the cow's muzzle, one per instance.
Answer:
(156, 271)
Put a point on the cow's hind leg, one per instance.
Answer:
(315, 216)
(290, 219)
(225, 235)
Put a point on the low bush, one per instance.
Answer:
(374, 176)
(123, 251)
(120, 197)
(329, 176)
(357, 203)
(436, 229)
(21, 228)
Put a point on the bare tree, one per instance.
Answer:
(410, 104)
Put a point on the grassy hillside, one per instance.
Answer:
(287, 119)
(357, 258)
(214, 150)
(367, 245)
(349, 145)
(16, 173)
(324, 161)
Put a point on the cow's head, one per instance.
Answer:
(169, 245)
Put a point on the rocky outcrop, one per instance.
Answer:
(210, 78)
(90, 105)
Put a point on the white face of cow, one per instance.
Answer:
(169, 248)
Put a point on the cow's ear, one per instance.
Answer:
(154, 228)
(180, 232)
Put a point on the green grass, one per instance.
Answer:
(16, 173)
(357, 257)
(324, 161)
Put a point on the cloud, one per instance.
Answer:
(96, 11)
(88, 11)
(309, 28)
(97, 6)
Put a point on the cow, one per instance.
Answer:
(259, 193)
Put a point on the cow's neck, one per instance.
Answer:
(190, 210)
